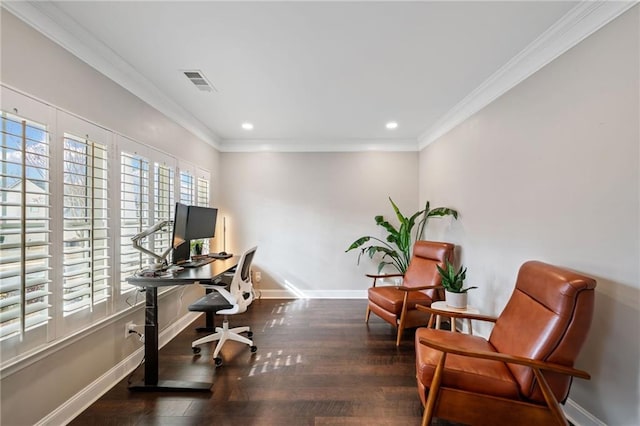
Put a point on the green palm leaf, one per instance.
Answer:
(396, 250)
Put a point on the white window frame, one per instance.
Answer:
(86, 250)
(69, 124)
(203, 198)
(186, 194)
(28, 338)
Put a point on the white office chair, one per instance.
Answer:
(233, 301)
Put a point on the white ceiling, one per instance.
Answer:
(321, 75)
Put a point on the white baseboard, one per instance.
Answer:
(87, 396)
(312, 294)
(579, 416)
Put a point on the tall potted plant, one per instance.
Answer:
(396, 250)
(452, 281)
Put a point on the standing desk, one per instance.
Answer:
(208, 272)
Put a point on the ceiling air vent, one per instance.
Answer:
(198, 79)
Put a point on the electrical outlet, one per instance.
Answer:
(128, 327)
(257, 276)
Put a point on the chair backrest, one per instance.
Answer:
(422, 268)
(547, 318)
(241, 286)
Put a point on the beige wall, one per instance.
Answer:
(36, 66)
(550, 171)
(304, 209)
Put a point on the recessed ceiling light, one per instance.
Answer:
(247, 126)
(391, 125)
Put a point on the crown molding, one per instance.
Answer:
(580, 22)
(47, 19)
(313, 145)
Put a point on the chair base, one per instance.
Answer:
(486, 410)
(223, 334)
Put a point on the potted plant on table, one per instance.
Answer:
(452, 281)
(396, 250)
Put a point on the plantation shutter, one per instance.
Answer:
(24, 226)
(164, 204)
(202, 199)
(186, 188)
(203, 192)
(85, 225)
(134, 213)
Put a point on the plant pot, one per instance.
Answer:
(456, 300)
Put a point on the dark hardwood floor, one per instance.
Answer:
(317, 363)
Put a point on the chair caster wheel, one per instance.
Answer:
(254, 348)
(250, 334)
(218, 361)
(196, 350)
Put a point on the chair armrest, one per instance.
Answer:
(512, 359)
(424, 287)
(213, 286)
(384, 275)
(454, 314)
(376, 276)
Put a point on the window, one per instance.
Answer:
(203, 192)
(134, 213)
(202, 199)
(186, 187)
(24, 226)
(85, 225)
(57, 268)
(164, 203)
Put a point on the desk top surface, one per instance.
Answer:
(207, 272)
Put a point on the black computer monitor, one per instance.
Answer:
(191, 223)
(201, 222)
(179, 242)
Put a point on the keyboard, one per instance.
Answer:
(196, 263)
(220, 256)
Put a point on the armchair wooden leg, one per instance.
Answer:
(430, 323)
(399, 336)
(434, 389)
(551, 400)
(366, 318)
(402, 318)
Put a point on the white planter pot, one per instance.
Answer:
(456, 300)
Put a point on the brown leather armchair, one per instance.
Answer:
(524, 369)
(420, 285)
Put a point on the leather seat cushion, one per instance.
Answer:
(390, 298)
(464, 373)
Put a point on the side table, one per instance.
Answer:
(443, 309)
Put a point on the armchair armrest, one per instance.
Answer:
(424, 287)
(512, 359)
(453, 314)
(384, 275)
(376, 276)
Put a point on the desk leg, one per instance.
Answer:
(151, 337)
(151, 382)
(438, 322)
